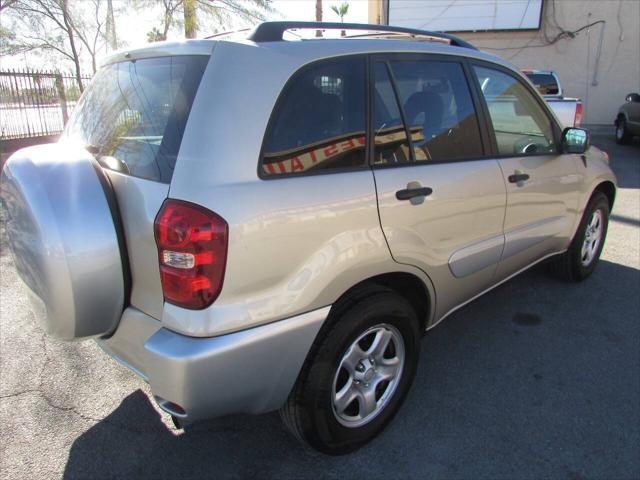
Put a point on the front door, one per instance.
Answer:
(441, 200)
(542, 185)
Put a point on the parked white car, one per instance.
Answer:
(568, 110)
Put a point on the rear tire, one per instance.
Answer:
(623, 136)
(580, 260)
(345, 363)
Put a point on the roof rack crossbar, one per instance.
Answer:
(273, 31)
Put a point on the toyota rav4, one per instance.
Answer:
(258, 224)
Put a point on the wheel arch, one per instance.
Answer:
(408, 285)
(608, 189)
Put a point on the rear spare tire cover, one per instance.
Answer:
(63, 239)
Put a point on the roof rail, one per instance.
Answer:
(273, 31)
(230, 32)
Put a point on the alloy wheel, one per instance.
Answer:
(592, 238)
(367, 375)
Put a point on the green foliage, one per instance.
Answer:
(155, 35)
(206, 16)
(341, 10)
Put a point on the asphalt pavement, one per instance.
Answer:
(537, 379)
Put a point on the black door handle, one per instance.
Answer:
(518, 177)
(409, 193)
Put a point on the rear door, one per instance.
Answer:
(542, 185)
(441, 199)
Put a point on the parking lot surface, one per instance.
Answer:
(537, 379)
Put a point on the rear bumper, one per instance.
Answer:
(251, 371)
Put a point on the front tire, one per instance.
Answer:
(356, 375)
(580, 260)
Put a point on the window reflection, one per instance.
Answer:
(334, 153)
(438, 109)
(134, 113)
(319, 123)
(390, 136)
(519, 123)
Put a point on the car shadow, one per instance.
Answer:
(535, 379)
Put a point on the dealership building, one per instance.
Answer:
(593, 45)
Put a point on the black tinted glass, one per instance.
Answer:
(545, 83)
(390, 136)
(438, 109)
(133, 115)
(319, 123)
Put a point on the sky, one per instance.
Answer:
(133, 25)
(133, 28)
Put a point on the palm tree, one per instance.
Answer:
(341, 11)
(318, 16)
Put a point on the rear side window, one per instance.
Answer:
(438, 110)
(319, 121)
(133, 115)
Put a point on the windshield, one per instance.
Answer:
(132, 116)
(545, 83)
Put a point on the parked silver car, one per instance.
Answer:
(258, 224)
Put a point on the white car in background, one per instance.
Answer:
(568, 110)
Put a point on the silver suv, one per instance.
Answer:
(260, 224)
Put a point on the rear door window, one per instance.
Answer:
(133, 115)
(319, 122)
(438, 110)
(390, 134)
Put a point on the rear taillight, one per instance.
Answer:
(192, 250)
(577, 121)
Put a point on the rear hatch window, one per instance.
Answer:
(133, 115)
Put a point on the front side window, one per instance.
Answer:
(319, 122)
(438, 109)
(520, 124)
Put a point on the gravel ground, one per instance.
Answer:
(537, 379)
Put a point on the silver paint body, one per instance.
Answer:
(250, 371)
(63, 240)
(297, 244)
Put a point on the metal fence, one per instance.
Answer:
(35, 103)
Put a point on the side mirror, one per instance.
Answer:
(575, 140)
(633, 97)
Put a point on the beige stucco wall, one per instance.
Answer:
(574, 59)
